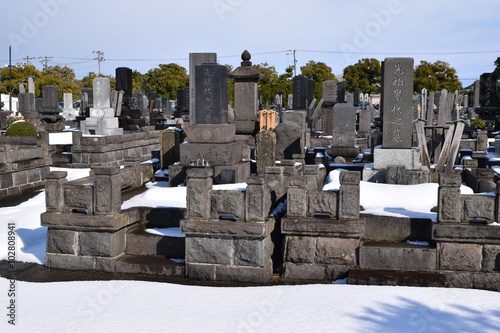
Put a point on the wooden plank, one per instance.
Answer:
(443, 157)
(422, 143)
(455, 146)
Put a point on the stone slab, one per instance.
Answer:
(215, 154)
(194, 227)
(466, 233)
(409, 158)
(459, 256)
(212, 133)
(89, 222)
(323, 227)
(397, 256)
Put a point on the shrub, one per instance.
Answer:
(478, 123)
(21, 128)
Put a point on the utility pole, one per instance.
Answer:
(10, 78)
(45, 61)
(100, 58)
(28, 60)
(294, 62)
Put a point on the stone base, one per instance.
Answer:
(248, 127)
(412, 177)
(348, 152)
(209, 133)
(228, 251)
(51, 127)
(213, 153)
(238, 173)
(409, 158)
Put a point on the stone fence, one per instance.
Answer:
(24, 160)
(86, 227)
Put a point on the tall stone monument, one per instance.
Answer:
(397, 162)
(194, 60)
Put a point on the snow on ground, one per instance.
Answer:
(135, 306)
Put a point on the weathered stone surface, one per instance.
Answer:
(449, 198)
(90, 222)
(322, 203)
(101, 244)
(459, 279)
(61, 241)
(338, 251)
(214, 154)
(70, 262)
(252, 252)
(245, 273)
(344, 125)
(297, 202)
(211, 94)
(397, 98)
(210, 250)
(265, 151)
(212, 133)
(304, 271)
(104, 264)
(491, 258)
(487, 281)
(79, 198)
(397, 228)
(107, 190)
(203, 272)
(289, 140)
(478, 207)
(227, 228)
(397, 256)
(469, 233)
(257, 200)
(199, 188)
(409, 158)
(323, 227)
(300, 249)
(335, 272)
(459, 257)
(227, 203)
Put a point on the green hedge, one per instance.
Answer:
(21, 128)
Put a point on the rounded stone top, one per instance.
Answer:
(245, 56)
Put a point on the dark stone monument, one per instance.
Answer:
(300, 92)
(341, 92)
(211, 94)
(124, 81)
(194, 60)
(329, 93)
(51, 119)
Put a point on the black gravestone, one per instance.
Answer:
(124, 81)
(211, 94)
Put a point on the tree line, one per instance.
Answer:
(364, 76)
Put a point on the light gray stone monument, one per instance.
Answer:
(69, 113)
(102, 120)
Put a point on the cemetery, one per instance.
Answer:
(269, 191)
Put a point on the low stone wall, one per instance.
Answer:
(24, 161)
(86, 227)
(91, 151)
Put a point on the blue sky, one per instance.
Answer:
(143, 34)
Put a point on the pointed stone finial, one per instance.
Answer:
(245, 56)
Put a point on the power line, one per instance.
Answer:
(28, 60)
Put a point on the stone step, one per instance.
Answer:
(397, 256)
(150, 265)
(164, 217)
(396, 278)
(142, 243)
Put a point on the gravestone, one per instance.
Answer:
(124, 80)
(27, 108)
(329, 93)
(477, 89)
(344, 131)
(31, 85)
(69, 113)
(488, 90)
(397, 153)
(341, 92)
(397, 95)
(424, 104)
(102, 120)
(211, 94)
(194, 60)
(300, 92)
(51, 119)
